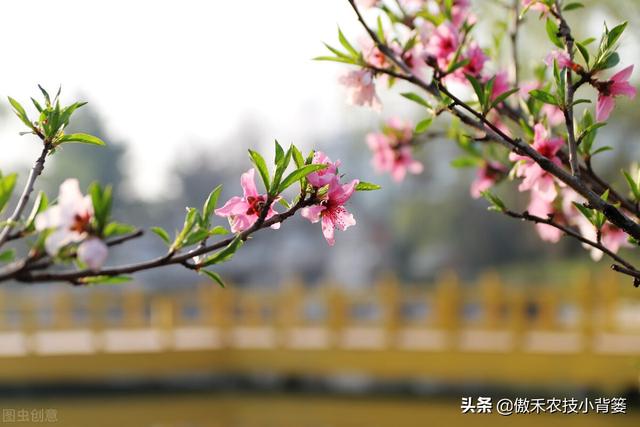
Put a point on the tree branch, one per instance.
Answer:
(613, 214)
(36, 170)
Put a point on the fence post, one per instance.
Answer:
(448, 306)
(492, 299)
(389, 303)
(337, 318)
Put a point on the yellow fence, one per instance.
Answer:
(585, 333)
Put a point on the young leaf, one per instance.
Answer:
(614, 34)
(552, 32)
(633, 185)
(106, 280)
(367, 186)
(423, 125)
(478, 88)
(7, 184)
(39, 205)
(225, 254)
(261, 165)
(162, 233)
(417, 99)
(345, 43)
(20, 112)
(503, 96)
(213, 276)
(496, 203)
(7, 256)
(298, 174)
(210, 204)
(80, 138)
(117, 229)
(544, 96)
(572, 6)
(584, 52)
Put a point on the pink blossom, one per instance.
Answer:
(536, 178)
(559, 56)
(553, 113)
(443, 43)
(500, 84)
(70, 219)
(618, 85)
(367, 4)
(612, 238)
(243, 212)
(541, 207)
(371, 53)
(324, 176)
(361, 89)
(477, 59)
(392, 151)
(460, 12)
(331, 211)
(486, 177)
(536, 5)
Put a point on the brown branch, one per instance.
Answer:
(629, 269)
(565, 33)
(169, 259)
(613, 214)
(36, 170)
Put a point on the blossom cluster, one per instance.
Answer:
(431, 41)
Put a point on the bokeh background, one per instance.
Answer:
(180, 90)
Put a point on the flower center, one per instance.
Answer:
(256, 204)
(81, 222)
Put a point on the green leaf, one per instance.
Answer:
(610, 61)
(106, 280)
(213, 276)
(465, 162)
(417, 99)
(544, 96)
(279, 152)
(552, 32)
(602, 150)
(225, 254)
(345, 43)
(572, 6)
(503, 96)
(7, 184)
(496, 203)
(424, 125)
(7, 256)
(588, 213)
(210, 204)
(261, 165)
(478, 88)
(281, 166)
(633, 185)
(117, 229)
(196, 236)
(189, 222)
(39, 205)
(218, 230)
(297, 157)
(584, 52)
(298, 174)
(20, 112)
(614, 34)
(367, 186)
(102, 200)
(80, 138)
(162, 233)
(336, 59)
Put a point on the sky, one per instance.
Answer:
(166, 74)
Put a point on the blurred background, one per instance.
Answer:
(428, 299)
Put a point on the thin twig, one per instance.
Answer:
(613, 214)
(26, 193)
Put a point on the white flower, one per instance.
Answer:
(70, 220)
